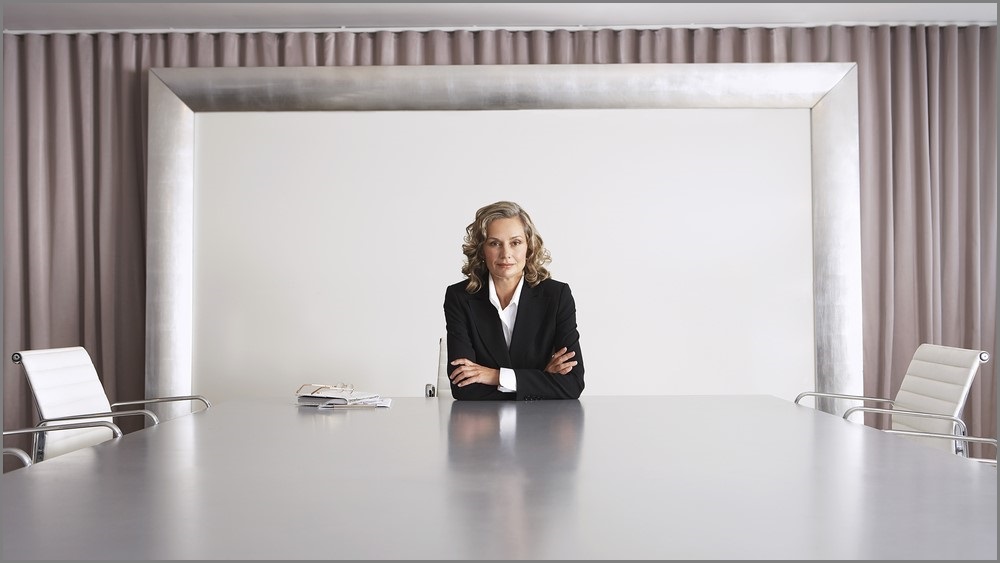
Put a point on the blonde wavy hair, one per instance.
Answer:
(475, 236)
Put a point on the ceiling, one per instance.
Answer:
(48, 16)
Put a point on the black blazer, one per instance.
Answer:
(546, 321)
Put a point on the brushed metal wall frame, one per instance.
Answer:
(828, 90)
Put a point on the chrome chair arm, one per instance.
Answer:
(72, 426)
(24, 457)
(840, 396)
(966, 439)
(207, 403)
(19, 454)
(152, 417)
(919, 414)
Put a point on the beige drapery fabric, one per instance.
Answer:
(75, 168)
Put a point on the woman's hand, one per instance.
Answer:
(471, 372)
(561, 362)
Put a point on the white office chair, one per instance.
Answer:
(443, 387)
(27, 459)
(931, 397)
(66, 387)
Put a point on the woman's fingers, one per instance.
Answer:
(457, 374)
(561, 362)
(466, 371)
(566, 367)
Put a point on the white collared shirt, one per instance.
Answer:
(508, 381)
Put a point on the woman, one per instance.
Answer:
(511, 328)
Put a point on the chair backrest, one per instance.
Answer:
(937, 380)
(64, 382)
(443, 383)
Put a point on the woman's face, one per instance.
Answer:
(505, 249)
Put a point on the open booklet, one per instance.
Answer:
(338, 396)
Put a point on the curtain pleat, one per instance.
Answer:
(75, 165)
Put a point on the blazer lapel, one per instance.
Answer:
(488, 324)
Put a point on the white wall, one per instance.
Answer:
(324, 242)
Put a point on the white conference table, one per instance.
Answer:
(662, 477)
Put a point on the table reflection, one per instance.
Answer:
(513, 467)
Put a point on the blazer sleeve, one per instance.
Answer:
(533, 382)
(460, 345)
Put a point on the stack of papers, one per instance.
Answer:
(338, 396)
